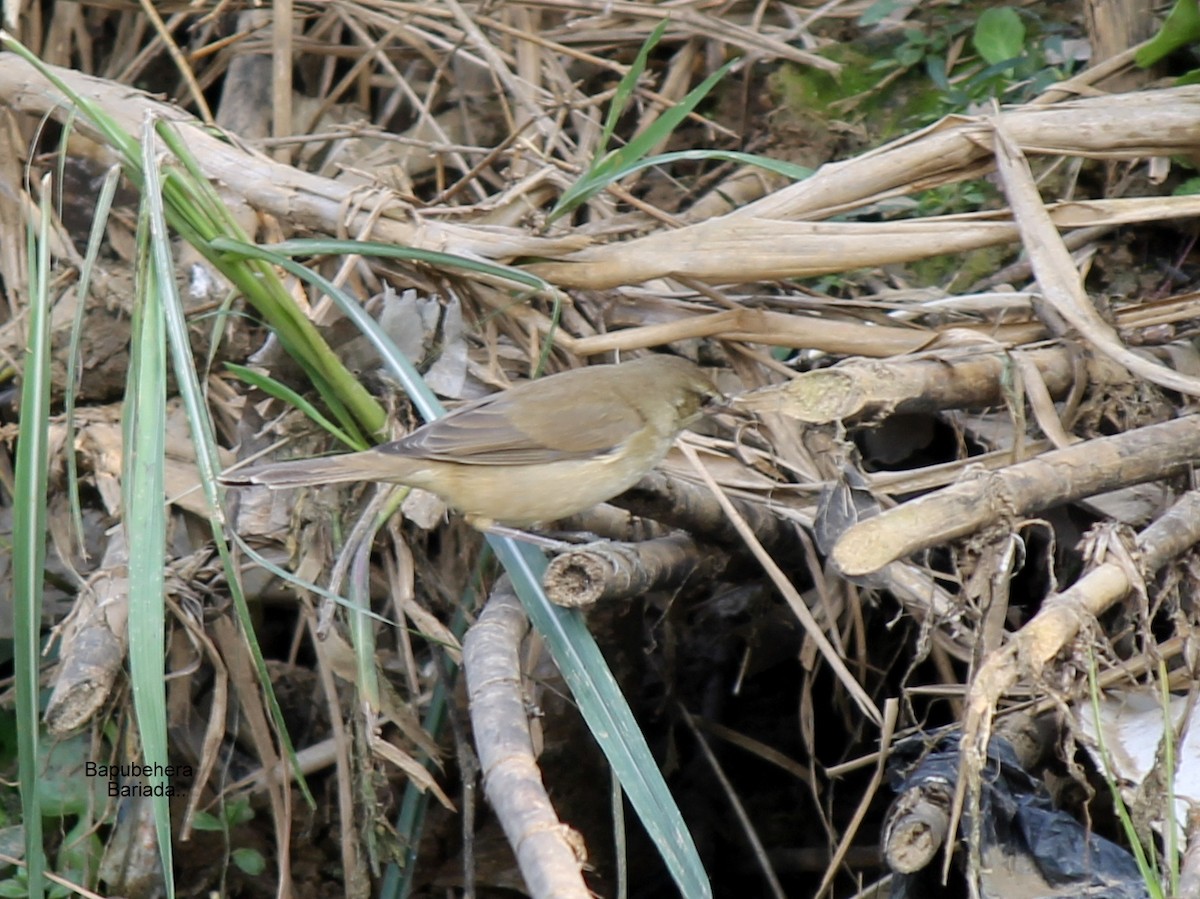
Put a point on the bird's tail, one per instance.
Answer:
(309, 472)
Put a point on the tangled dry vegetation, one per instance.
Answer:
(924, 511)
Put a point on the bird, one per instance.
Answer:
(534, 453)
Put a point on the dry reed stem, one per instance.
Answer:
(763, 241)
(306, 200)
(860, 391)
(550, 854)
(1061, 283)
(1001, 498)
(736, 248)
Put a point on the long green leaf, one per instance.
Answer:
(627, 85)
(609, 166)
(281, 391)
(208, 464)
(318, 246)
(29, 538)
(778, 166)
(99, 226)
(144, 503)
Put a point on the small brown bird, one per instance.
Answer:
(539, 451)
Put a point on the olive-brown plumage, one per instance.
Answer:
(539, 451)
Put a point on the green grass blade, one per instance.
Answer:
(1181, 28)
(778, 166)
(665, 124)
(207, 460)
(626, 86)
(605, 169)
(144, 503)
(300, 583)
(1170, 822)
(398, 879)
(29, 538)
(1145, 867)
(192, 208)
(195, 210)
(326, 246)
(414, 385)
(318, 246)
(271, 387)
(99, 223)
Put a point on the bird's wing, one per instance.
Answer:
(504, 430)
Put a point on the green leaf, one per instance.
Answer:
(1182, 27)
(1188, 188)
(249, 860)
(14, 887)
(206, 821)
(935, 68)
(79, 856)
(29, 536)
(999, 35)
(238, 812)
(271, 387)
(608, 167)
(62, 787)
(627, 85)
(143, 493)
(778, 166)
(877, 12)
